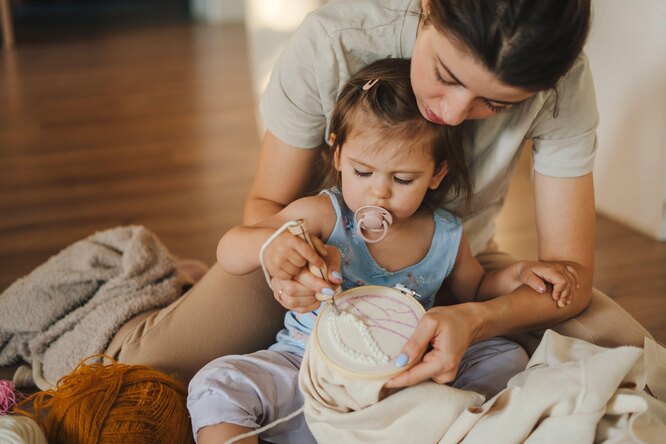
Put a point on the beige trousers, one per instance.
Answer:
(225, 314)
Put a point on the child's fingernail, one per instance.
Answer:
(542, 289)
(336, 275)
(401, 360)
(327, 291)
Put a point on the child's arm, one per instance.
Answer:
(470, 282)
(535, 275)
(238, 250)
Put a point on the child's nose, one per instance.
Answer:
(381, 189)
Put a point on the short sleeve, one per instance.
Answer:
(564, 133)
(305, 75)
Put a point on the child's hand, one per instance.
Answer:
(563, 277)
(288, 254)
(299, 294)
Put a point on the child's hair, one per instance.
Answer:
(390, 105)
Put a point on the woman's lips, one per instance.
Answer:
(433, 117)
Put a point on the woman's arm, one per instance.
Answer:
(565, 220)
(469, 282)
(283, 175)
(565, 226)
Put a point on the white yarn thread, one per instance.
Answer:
(377, 355)
(266, 427)
(20, 430)
(291, 223)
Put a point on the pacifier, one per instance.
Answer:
(372, 219)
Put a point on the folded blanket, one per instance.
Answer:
(71, 306)
(571, 391)
(574, 391)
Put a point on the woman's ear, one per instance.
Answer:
(439, 175)
(425, 7)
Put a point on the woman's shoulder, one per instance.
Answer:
(331, 44)
(340, 15)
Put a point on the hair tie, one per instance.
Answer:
(369, 84)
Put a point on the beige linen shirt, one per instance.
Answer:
(341, 37)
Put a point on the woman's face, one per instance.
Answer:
(450, 86)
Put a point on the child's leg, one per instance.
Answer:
(249, 391)
(488, 365)
(219, 433)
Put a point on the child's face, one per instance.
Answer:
(389, 173)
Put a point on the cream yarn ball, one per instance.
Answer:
(20, 430)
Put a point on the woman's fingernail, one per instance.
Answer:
(336, 275)
(401, 360)
(542, 289)
(327, 291)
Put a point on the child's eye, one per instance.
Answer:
(495, 108)
(403, 181)
(362, 173)
(441, 80)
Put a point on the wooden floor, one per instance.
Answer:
(155, 125)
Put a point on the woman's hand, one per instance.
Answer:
(561, 275)
(449, 331)
(299, 293)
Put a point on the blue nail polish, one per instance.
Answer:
(336, 275)
(327, 291)
(401, 360)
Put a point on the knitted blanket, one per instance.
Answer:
(71, 306)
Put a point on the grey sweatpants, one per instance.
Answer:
(256, 389)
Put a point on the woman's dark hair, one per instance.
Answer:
(390, 104)
(529, 44)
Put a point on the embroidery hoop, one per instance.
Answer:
(392, 314)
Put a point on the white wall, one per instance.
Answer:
(627, 51)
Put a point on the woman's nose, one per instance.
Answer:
(455, 105)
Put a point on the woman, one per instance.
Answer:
(511, 71)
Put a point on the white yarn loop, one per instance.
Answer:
(266, 427)
(291, 223)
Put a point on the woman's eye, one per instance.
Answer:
(495, 108)
(403, 181)
(441, 80)
(362, 173)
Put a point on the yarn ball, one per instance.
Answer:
(20, 430)
(8, 396)
(112, 403)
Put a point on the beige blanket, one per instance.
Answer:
(571, 391)
(70, 307)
